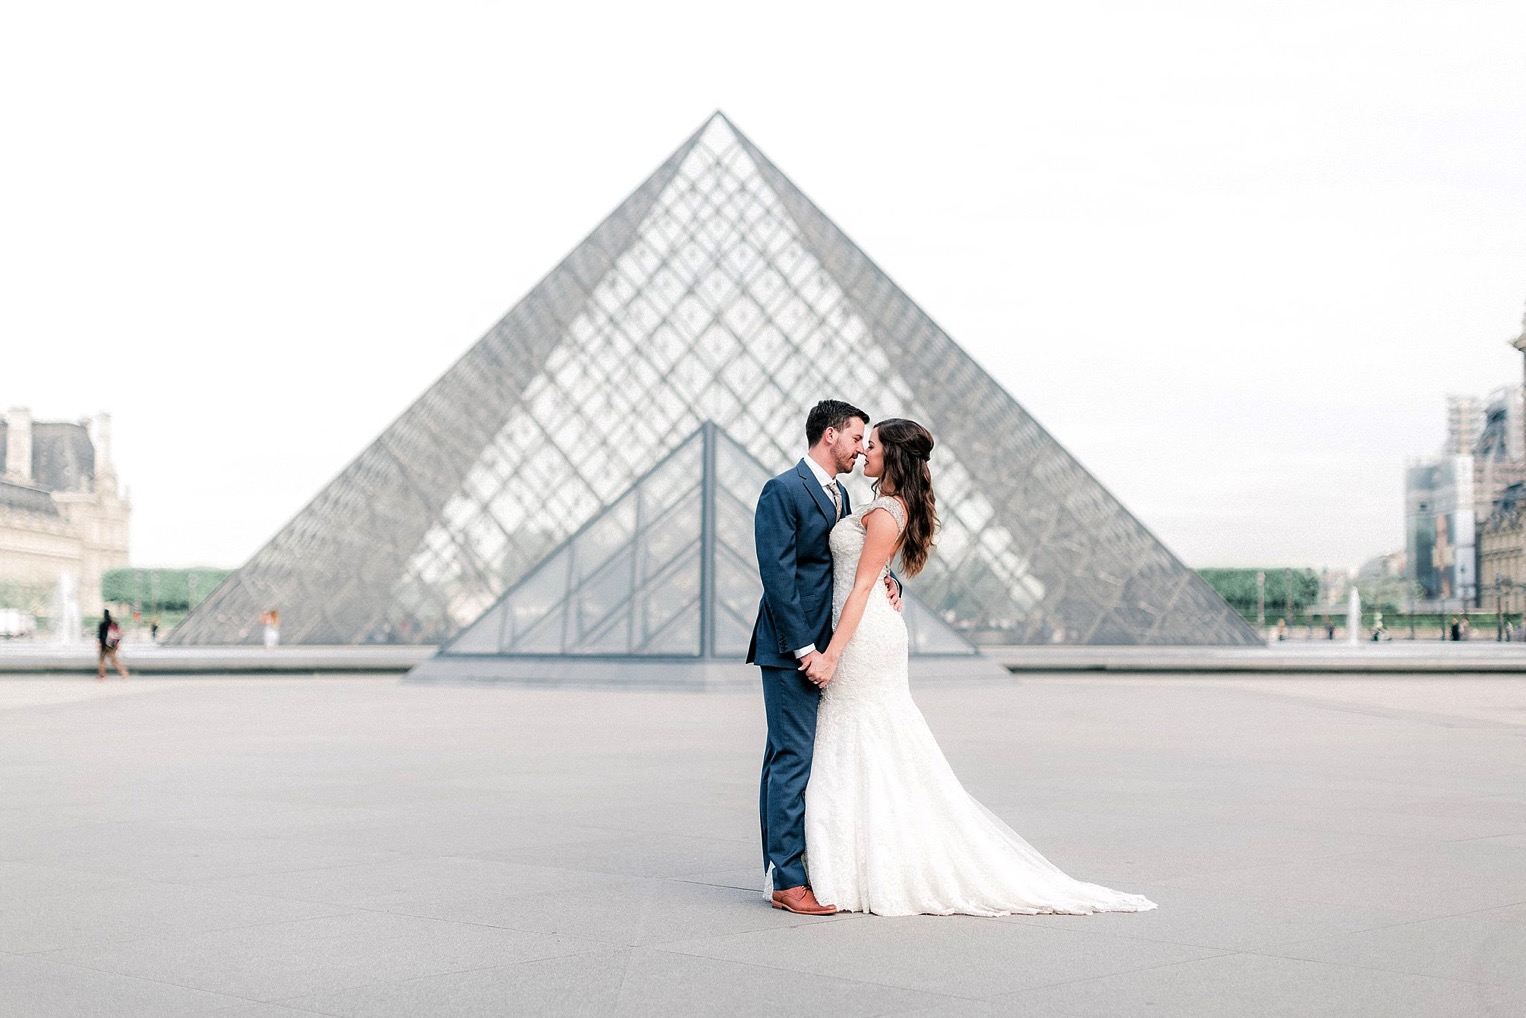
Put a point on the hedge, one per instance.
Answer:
(167, 589)
(1238, 587)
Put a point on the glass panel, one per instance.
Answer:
(482, 637)
(732, 636)
(544, 637)
(607, 535)
(672, 592)
(612, 637)
(928, 634)
(734, 530)
(537, 596)
(602, 593)
(670, 535)
(737, 587)
(679, 636)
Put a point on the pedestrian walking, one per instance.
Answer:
(272, 622)
(1456, 629)
(1465, 629)
(108, 636)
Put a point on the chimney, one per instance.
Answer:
(18, 443)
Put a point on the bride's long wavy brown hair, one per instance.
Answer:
(906, 446)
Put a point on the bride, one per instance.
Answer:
(888, 827)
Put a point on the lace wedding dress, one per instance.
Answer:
(888, 827)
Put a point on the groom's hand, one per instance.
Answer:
(893, 591)
(817, 672)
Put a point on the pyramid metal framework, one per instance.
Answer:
(717, 291)
(668, 571)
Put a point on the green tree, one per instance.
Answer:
(164, 589)
(1238, 587)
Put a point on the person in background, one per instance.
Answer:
(1465, 629)
(108, 637)
(271, 619)
(1456, 629)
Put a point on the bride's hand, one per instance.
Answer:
(893, 591)
(817, 672)
(819, 668)
(828, 667)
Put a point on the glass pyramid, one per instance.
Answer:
(669, 570)
(717, 291)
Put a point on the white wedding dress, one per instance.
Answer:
(888, 827)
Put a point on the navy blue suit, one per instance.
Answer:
(794, 518)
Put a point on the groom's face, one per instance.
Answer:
(847, 445)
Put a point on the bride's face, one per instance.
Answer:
(874, 455)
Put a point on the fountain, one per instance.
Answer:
(1354, 616)
(64, 616)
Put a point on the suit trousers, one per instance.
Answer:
(790, 702)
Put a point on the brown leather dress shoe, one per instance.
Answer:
(801, 900)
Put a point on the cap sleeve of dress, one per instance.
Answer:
(893, 506)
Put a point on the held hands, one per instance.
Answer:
(819, 668)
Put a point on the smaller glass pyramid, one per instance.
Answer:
(667, 572)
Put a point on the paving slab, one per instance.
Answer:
(1474, 946)
(135, 911)
(277, 960)
(405, 885)
(632, 912)
(38, 986)
(1257, 986)
(1433, 879)
(627, 982)
(273, 847)
(974, 957)
(1231, 920)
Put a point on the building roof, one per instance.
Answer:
(63, 456)
(26, 498)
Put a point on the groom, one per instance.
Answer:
(796, 513)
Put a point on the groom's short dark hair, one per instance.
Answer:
(830, 413)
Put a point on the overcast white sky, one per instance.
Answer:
(1233, 255)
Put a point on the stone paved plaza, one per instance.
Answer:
(277, 847)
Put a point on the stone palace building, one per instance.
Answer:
(61, 512)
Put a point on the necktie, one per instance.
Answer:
(836, 499)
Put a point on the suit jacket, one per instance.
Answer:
(794, 517)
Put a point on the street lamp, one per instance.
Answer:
(1499, 614)
(1287, 593)
(1502, 583)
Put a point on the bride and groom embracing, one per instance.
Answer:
(858, 805)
